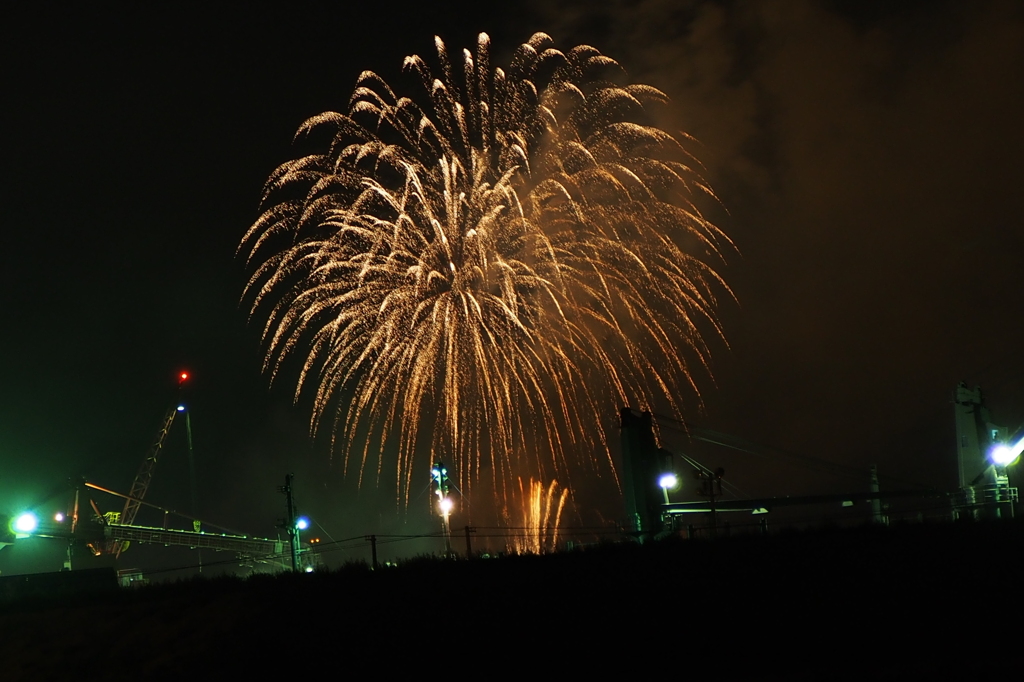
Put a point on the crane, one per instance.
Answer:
(133, 501)
(116, 530)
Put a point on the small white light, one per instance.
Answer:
(668, 481)
(446, 505)
(181, 408)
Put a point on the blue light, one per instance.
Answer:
(181, 408)
(302, 523)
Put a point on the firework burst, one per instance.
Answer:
(483, 272)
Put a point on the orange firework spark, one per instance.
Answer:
(540, 516)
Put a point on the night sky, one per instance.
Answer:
(868, 158)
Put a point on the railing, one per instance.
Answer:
(253, 547)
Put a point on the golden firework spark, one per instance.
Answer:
(488, 269)
(540, 516)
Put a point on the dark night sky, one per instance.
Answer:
(869, 158)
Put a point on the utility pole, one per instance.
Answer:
(711, 488)
(469, 546)
(74, 527)
(290, 521)
(197, 525)
(876, 502)
(373, 550)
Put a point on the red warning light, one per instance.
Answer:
(182, 377)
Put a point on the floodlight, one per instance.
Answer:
(1002, 455)
(26, 523)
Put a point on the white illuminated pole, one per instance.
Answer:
(439, 475)
(1002, 456)
(446, 509)
(667, 481)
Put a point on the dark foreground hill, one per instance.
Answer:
(909, 602)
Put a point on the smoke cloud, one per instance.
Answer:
(868, 156)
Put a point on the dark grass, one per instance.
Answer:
(905, 602)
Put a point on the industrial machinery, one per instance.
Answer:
(112, 532)
(983, 453)
(134, 499)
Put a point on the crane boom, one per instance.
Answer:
(145, 475)
(142, 479)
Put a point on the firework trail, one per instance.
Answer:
(540, 512)
(485, 271)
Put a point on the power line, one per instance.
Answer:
(796, 459)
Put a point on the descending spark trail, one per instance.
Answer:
(484, 272)
(540, 513)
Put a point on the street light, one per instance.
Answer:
(667, 481)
